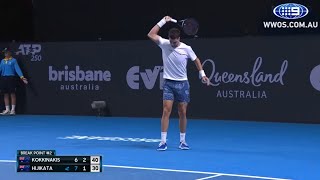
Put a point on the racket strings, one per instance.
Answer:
(190, 27)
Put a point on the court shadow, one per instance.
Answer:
(140, 145)
(108, 145)
(149, 146)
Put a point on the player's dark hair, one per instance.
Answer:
(174, 33)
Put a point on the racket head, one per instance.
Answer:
(190, 26)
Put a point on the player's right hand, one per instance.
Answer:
(167, 18)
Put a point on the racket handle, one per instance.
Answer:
(173, 20)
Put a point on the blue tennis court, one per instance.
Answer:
(220, 150)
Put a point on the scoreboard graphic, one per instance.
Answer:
(48, 161)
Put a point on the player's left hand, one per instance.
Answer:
(206, 80)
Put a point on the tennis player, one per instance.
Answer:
(9, 68)
(175, 55)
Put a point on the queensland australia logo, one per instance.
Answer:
(78, 79)
(290, 11)
(246, 85)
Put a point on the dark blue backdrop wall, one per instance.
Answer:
(84, 20)
(87, 20)
(253, 78)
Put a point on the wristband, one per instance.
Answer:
(202, 74)
(162, 22)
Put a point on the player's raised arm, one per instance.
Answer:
(153, 34)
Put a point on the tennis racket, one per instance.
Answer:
(190, 26)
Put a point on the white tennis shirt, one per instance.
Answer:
(175, 60)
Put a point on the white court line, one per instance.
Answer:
(195, 172)
(159, 169)
(209, 177)
(176, 170)
(7, 161)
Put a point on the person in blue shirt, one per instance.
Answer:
(9, 69)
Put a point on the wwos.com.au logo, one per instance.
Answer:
(290, 13)
(77, 79)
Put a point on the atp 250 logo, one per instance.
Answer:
(290, 11)
(33, 50)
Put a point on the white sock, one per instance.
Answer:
(163, 137)
(13, 107)
(7, 108)
(182, 137)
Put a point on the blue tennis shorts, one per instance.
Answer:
(178, 91)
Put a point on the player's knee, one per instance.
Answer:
(166, 111)
(182, 112)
